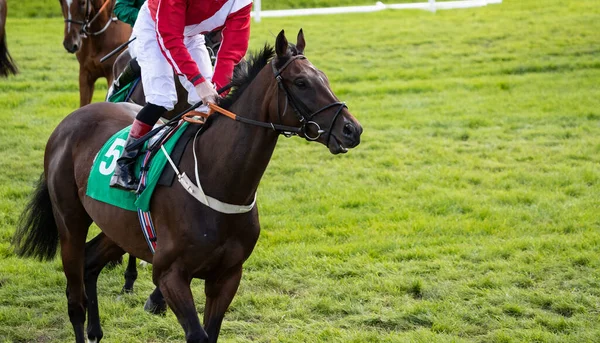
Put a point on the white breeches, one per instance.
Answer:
(157, 74)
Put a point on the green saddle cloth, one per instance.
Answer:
(104, 167)
(123, 94)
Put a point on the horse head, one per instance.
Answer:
(305, 98)
(76, 14)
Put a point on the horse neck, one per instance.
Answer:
(234, 155)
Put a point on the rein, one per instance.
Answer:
(86, 23)
(282, 129)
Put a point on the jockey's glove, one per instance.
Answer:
(206, 91)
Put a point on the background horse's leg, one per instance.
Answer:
(219, 294)
(156, 303)
(98, 252)
(7, 66)
(86, 87)
(130, 275)
(176, 289)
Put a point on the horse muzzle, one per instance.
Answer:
(72, 44)
(344, 135)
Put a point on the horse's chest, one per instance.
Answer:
(221, 247)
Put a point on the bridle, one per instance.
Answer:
(300, 108)
(87, 22)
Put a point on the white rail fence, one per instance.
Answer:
(431, 5)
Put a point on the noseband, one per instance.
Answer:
(300, 109)
(85, 24)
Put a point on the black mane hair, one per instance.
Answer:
(244, 72)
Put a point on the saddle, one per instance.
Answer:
(150, 164)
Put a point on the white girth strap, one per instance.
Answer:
(198, 193)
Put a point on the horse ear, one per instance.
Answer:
(281, 44)
(300, 43)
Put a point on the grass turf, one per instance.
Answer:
(469, 213)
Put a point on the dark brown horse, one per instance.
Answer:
(7, 66)
(194, 241)
(91, 33)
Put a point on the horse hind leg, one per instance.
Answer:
(98, 253)
(73, 256)
(73, 223)
(55, 214)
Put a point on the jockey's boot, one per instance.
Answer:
(124, 176)
(131, 72)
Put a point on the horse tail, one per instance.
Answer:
(37, 235)
(7, 65)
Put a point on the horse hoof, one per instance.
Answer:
(127, 290)
(154, 308)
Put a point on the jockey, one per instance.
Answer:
(127, 12)
(170, 38)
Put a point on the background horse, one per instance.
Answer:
(7, 66)
(91, 33)
(194, 241)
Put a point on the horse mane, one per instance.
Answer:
(244, 72)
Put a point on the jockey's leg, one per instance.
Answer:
(124, 176)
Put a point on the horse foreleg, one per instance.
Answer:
(98, 252)
(175, 286)
(86, 87)
(130, 275)
(219, 294)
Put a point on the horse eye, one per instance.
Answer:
(301, 84)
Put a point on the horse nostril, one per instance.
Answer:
(75, 48)
(349, 130)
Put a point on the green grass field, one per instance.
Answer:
(469, 213)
